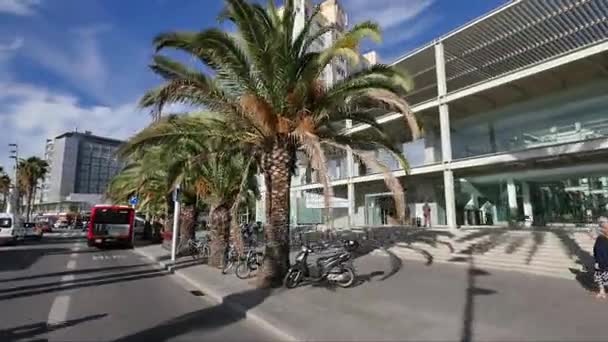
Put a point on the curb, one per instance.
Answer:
(251, 314)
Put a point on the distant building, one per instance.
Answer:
(331, 13)
(80, 168)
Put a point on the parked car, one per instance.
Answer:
(31, 231)
(44, 227)
(61, 225)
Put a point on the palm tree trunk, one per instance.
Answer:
(277, 171)
(235, 230)
(220, 234)
(28, 203)
(186, 223)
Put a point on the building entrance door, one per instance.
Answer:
(380, 210)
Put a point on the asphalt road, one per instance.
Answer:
(58, 289)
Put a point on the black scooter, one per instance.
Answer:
(337, 268)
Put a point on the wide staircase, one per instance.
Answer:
(555, 252)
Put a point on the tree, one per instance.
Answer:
(30, 171)
(144, 175)
(5, 185)
(217, 174)
(264, 81)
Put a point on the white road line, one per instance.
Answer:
(59, 309)
(71, 265)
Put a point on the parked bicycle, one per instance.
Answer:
(195, 248)
(231, 257)
(250, 263)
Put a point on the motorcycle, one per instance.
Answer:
(336, 268)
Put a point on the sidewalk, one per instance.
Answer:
(399, 300)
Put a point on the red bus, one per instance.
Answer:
(111, 224)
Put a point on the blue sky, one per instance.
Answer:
(82, 64)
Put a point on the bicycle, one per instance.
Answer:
(200, 249)
(250, 263)
(230, 258)
(195, 248)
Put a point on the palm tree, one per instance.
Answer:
(30, 171)
(5, 184)
(217, 174)
(144, 175)
(264, 81)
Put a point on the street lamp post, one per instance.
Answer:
(176, 200)
(14, 202)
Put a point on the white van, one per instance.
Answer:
(11, 228)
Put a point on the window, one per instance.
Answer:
(5, 222)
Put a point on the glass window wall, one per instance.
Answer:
(574, 115)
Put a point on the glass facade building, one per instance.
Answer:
(515, 120)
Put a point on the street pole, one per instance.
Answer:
(14, 200)
(175, 222)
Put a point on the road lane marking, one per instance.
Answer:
(71, 265)
(59, 310)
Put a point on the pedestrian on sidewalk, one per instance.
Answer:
(600, 254)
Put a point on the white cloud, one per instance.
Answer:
(81, 63)
(400, 19)
(388, 13)
(31, 114)
(19, 7)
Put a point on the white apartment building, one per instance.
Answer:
(515, 112)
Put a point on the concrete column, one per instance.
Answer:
(350, 173)
(525, 191)
(351, 204)
(446, 143)
(444, 113)
(512, 197)
(450, 201)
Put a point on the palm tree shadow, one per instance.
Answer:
(33, 330)
(539, 239)
(385, 238)
(573, 249)
(471, 292)
(214, 317)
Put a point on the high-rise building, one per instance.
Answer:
(42, 193)
(80, 168)
(330, 13)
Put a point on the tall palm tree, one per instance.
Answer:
(30, 171)
(219, 175)
(265, 82)
(5, 184)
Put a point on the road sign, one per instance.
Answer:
(133, 200)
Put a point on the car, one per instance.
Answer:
(61, 225)
(31, 231)
(11, 230)
(45, 227)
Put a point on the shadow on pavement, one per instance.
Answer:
(74, 272)
(206, 319)
(20, 259)
(33, 330)
(27, 291)
(469, 307)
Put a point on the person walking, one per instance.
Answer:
(426, 212)
(600, 254)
